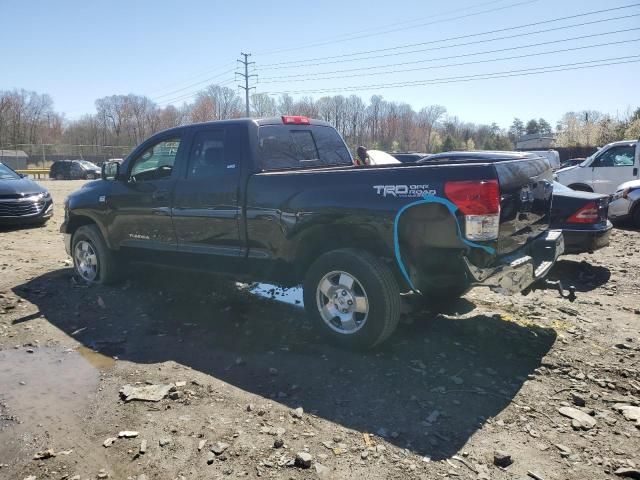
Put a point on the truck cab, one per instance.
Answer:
(603, 171)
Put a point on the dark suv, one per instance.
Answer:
(74, 170)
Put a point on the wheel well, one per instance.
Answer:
(429, 246)
(78, 221)
(580, 187)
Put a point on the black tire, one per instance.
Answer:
(59, 177)
(382, 292)
(108, 266)
(90, 176)
(581, 188)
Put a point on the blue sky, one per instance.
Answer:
(78, 51)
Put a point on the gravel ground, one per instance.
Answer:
(487, 387)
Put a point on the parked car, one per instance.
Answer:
(603, 171)
(408, 157)
(582, 217)
(74, 170)
(279, 200)
(22, 201)
(625, 202)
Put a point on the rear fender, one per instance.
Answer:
(427, 234)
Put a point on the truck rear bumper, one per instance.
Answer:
(517, 271)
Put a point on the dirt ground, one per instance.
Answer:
(451, 387)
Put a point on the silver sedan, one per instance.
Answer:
(625, 203)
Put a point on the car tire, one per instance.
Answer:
(59, 177)
(88, 250)
(90, 176)
(352, 298)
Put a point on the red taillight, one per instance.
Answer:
(587, 214)
(295, 120)
(480, 197)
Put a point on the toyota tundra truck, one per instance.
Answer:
(280, 200)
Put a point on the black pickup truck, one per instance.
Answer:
(280, 200)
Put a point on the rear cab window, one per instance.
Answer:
(298, 146)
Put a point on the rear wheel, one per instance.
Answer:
(91, 176)
(92, 259)
(59, 177)
(353, 298)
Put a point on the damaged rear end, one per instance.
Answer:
(499, 210)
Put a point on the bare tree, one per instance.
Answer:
(428, 119)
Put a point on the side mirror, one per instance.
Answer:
(110, 171)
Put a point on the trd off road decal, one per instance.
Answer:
(404, 191)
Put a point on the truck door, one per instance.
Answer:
(141, 200)
(206, 207)
(613, 167)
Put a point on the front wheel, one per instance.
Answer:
(92, 259)
(353, 298)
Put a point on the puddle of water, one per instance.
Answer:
(47, 387)
(291, 296)
(98, 360)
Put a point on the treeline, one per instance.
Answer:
(30, 118)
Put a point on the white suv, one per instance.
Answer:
(603, 171)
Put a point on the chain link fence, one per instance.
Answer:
(43, 155)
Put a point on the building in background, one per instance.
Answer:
(536, 141)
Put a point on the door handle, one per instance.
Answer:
(160, 195)
(635, 172)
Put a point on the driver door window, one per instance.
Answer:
(157, 161)
(616, 157)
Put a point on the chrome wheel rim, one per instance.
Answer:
(86, 260)
(342, 302)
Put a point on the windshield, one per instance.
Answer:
(87, 164)
(7, 174)
(590, 157)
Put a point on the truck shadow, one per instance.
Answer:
(428, 389)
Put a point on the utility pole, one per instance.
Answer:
(246, 77)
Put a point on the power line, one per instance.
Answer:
(484, 76)
(460, 37)
(196, 75)
(474, 62)
(475, 42)
(195, 93)
(354, 35)
(449, 57)
(208, 80)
